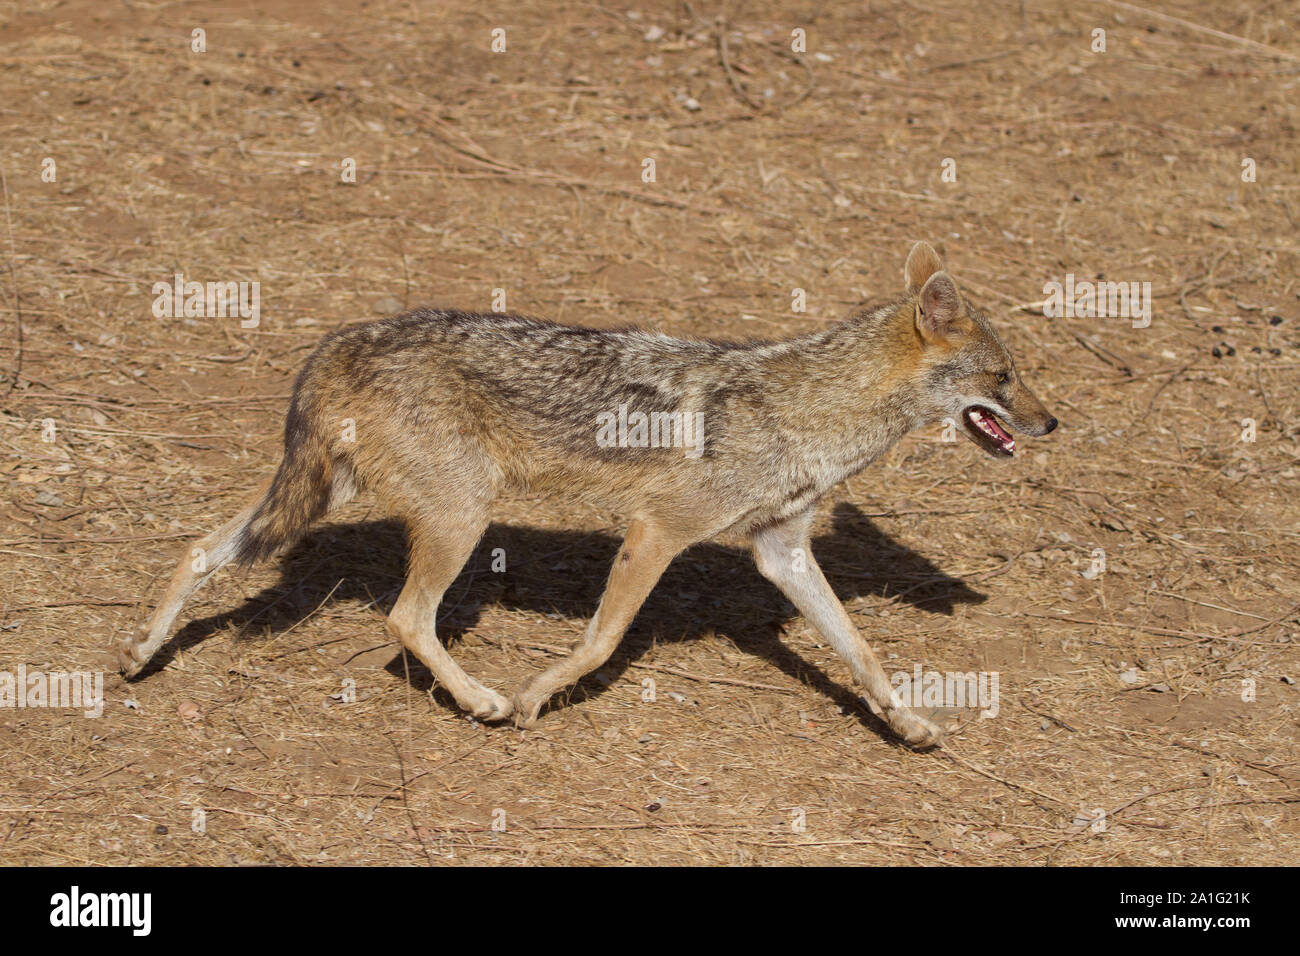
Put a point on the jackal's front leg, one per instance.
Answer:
(784, 556)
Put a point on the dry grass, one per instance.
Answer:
(521, 171)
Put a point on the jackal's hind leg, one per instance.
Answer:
(438, 551)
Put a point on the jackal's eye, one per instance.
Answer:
(1004, 378)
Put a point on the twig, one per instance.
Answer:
(13, 279)
(731, 682)
(720, 32)
(36, 607)
(1087, 831)
(1253, 44)
(947, 752)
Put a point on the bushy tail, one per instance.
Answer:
(302, 490)
(299, 493)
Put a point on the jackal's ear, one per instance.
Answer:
(938, 308)
(922, 262)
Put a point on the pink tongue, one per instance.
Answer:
(991, 423)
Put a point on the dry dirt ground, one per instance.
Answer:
(1127, 691)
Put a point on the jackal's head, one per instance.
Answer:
(968, 374)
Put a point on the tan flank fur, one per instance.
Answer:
(449, 410)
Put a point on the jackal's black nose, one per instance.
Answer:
(1051, 425)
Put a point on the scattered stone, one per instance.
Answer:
(998, 838)
(188, 710)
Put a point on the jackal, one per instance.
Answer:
(437, 413)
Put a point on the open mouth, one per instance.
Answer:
(987, 432)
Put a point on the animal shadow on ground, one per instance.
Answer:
(709, 589)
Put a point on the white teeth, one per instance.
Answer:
(1008, 444)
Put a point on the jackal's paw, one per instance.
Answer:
(130, 656)
(527, 707)
(488, 705)
(917, 732)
